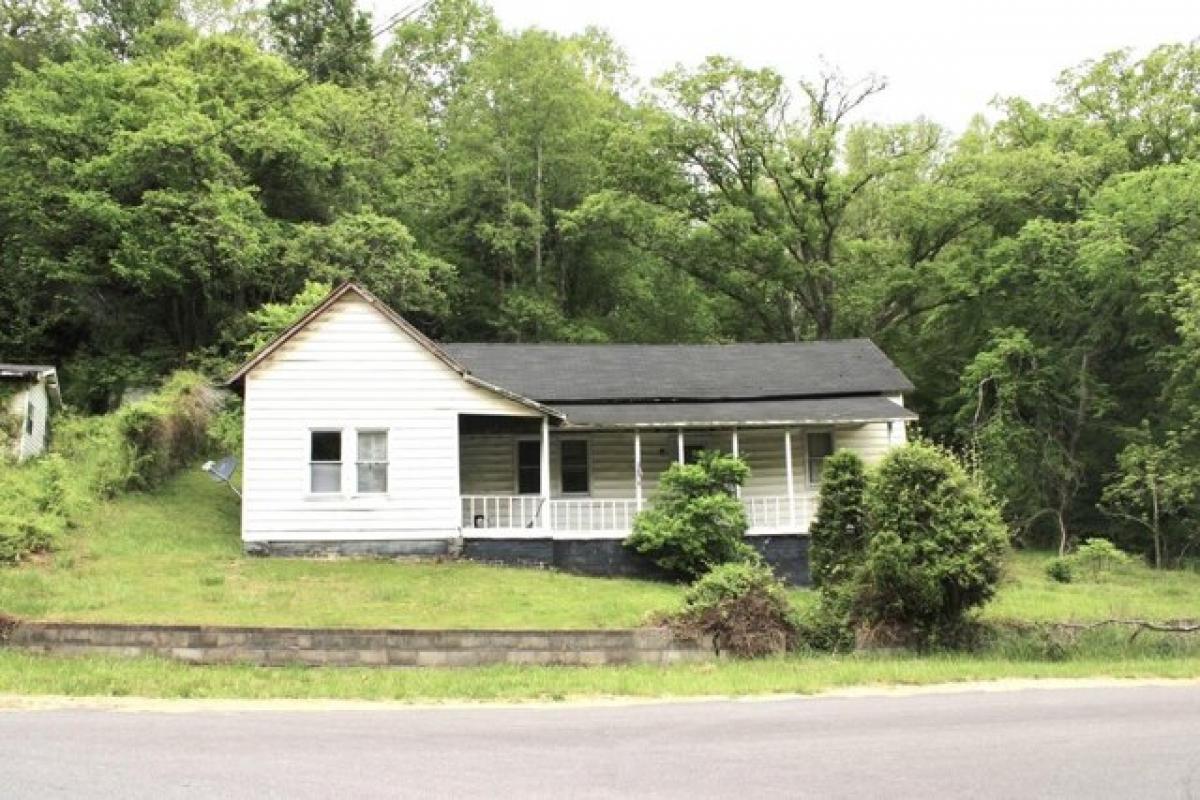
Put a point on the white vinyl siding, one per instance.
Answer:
(352, 369)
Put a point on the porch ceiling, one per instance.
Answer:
(817, 411)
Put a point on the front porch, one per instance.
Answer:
(523, 479)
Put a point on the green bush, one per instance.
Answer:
(101, 456)
(936, 548)
(695, 522)
(168, 430)
(839, 532)
(1060, 570)
(1098, 557)
(743, 606)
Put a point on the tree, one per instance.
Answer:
(331, 40)
(695, 521)
(936, 545)
(1154, 485)
(838, 534)
(115, 25)
(33, 31)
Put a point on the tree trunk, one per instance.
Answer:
(1062, 533)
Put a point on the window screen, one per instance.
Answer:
(574, 467)
(372, 462)
(820, 445)
(325, 461)
(529, 467)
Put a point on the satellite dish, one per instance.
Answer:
(222, 471)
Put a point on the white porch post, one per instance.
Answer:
(791, 483)
(637, 468)
(733, 443)
(679, 436)
(544, 474)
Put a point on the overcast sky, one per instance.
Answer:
(943, 59)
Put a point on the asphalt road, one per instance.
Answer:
(1138, 742)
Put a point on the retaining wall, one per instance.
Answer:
(350, 647)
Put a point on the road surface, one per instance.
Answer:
(1127, 742)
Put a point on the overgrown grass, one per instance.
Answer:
(1133, 591)
(175, 557)
(29, 674)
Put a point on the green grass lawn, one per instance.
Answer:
(26, 674)
(175, 557)
(1132, 592)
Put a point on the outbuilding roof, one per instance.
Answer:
(34, 372)
(553, 373)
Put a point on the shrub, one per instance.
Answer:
(1098, 557)
(695, 523)
(1060, 570)
(839, 532)
(168, 430)
(936, 549)
(743, 607)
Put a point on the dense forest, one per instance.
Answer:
(167, 167)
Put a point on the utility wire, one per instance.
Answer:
(263, 105)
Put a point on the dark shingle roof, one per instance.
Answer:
(602, 372)
(819, 411)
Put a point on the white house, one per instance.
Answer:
(364, 436)
(27, 393)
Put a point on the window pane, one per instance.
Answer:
(372, 478)
(529, 467)
(820, 444)
(372, 446)
(691, 453)
(326, 477)
(326, 446)
(574, 467)
(815, 466)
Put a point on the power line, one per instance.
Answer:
(400, 16)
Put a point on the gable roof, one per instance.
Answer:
(555, 373)
(661, 385)
(264, 352)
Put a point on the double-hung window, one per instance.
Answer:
(820, 447)
(573, 467)
(325, 461)
(372, 462)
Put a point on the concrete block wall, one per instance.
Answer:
(352, 647)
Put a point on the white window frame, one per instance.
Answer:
(808, 457)
(587, 443)
(308, 478)
(516, 465)
(387, 462)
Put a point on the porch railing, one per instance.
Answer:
(585, 514)
(501, 511)
(592, 515)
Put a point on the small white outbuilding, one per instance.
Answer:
(28, 395)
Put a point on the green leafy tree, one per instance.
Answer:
(936, 547)
(1154, 485)
(331, 40)
(695, 521)
(838, 534)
